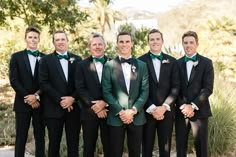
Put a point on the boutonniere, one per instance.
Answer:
(38, 58)
(71, 60)
(133, 68)
(195, 63)
(165, 61)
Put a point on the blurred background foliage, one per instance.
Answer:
(213, 20)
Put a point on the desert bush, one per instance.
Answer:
(222, 125)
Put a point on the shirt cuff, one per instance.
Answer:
(167, 107)
(151, 108)
(194, 106)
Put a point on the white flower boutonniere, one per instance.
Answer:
(195, 63)
(71, 60)
(133, 68)
(165, 61)
(38, 58)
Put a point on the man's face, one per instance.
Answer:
(32, 40)
(190, 45)
(60, 42)
(155, 42)
(97, 47)
(124, 45)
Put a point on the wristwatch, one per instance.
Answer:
(37, 96)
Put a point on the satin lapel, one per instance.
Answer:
(151, 68)
(134, 73)
(26, 61)
(194, 70)
(184, 71)
(93, 70)
(163, 68)
(119, 74)
(59, 67)
(36, 69)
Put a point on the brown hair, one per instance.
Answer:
(124, 33)
(190, 34)
(155, 31)
(59, 31)
(31, 29)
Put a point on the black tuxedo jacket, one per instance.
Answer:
(22, 80)
(54, 85)
(88, 87)
(167, 88)
(199, 87)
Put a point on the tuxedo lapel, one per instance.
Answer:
(119, 74)
(163, 68)
(184, 71)
(93, 70)
(134, 73)
(194, 70)
(27, 62)
(151, 68)
(59, 67)
(36, 69)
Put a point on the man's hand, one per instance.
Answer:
(102, 113)
(159, 112)
(187, 110)
(30, 99)
(98, 105)
(35, 105)
(127, 116)
(67, 102)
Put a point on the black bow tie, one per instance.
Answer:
(129, 61)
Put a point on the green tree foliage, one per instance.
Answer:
(56, 14)
(103, 15)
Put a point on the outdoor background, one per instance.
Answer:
(213, 20)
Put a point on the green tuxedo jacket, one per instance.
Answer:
(115, 92)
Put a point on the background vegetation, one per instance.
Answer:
(214, 20)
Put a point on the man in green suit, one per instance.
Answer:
(125, 89)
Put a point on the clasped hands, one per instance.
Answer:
(159, 112)
(67, 103)
(99, 108)
(127, 116)
(32, 101)
(187, 110)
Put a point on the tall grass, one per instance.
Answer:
(222, 125)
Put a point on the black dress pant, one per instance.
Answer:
(55, 126)
(23, 120)
(200, 135)
(134, 139)
(91, 129)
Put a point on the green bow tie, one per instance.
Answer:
(66, 57)
(194, 58)
(159, 57)
(34, 53)
(101, 60)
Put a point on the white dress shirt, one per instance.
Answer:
(64, 65)
(32, 61)
(126, 68)
(99, 68)
(157, 67)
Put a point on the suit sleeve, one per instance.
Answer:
(207, 85)
(80, 85)
(14, 77)
(107, 89)
(44, 80)
(175, 85)
(144, 89)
